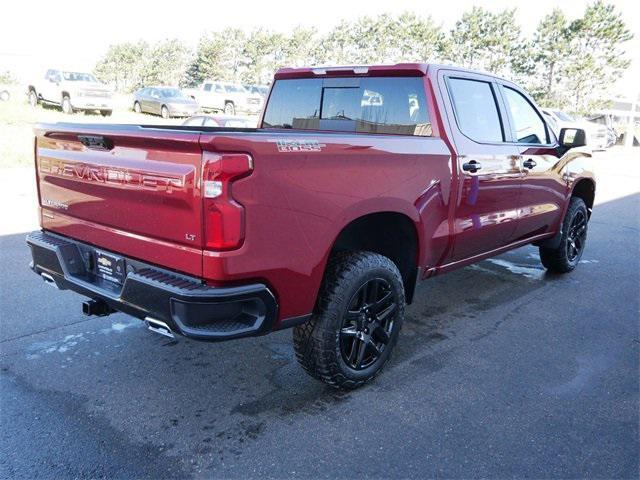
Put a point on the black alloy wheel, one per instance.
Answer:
(576, 237)
(367, 324)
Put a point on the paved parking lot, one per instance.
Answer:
(501, 371)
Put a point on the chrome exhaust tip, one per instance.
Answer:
(48, 279)
(159, 327)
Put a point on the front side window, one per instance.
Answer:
(527, 123)
(207, 87)
(476, 110)
(368, 105)
(564, 116)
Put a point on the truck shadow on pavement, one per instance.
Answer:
(204, 403)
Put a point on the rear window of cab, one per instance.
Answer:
(384, 105)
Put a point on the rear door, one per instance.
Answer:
(218, 96)
(543, 190)
(133, 183)
(488, 166)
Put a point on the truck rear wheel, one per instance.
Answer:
(356, 322)
(574, 236)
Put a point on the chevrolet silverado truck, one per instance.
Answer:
(72, 91)
(358, 183)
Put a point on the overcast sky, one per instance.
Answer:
(73, 33)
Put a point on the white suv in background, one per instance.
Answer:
(230, 98)
(72, 91)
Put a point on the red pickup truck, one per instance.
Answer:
(358, 183)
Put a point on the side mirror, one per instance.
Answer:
(572, 137)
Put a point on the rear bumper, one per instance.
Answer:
(184, 303)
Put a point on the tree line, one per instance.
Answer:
(565, 63)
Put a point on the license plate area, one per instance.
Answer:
(109, 267)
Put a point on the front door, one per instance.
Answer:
(50, 87)
(543, 190)
(488, 166)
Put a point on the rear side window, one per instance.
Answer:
(528, 124)
(392, 105)
(476, 110)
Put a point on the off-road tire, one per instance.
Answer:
(317, 342)
(559, 260)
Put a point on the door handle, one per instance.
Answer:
(530, 163)
(472, 166)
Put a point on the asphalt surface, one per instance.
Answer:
(501, 371)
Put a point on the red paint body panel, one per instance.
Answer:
(143, 197)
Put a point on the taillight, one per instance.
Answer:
(223, 216)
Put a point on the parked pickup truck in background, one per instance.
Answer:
(72, 91)
(229, 98)
(597, 135)
(358, 183)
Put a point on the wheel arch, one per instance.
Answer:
(390, 233)
(585, 188)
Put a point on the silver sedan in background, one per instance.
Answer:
(164, 101)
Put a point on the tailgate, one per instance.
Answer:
(126, 188)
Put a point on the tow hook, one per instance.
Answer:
(99, 308)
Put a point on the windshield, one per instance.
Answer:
(78, 77)
(171, 93)
(563, 116)
(234, 88)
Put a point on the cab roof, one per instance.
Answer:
(399, 69)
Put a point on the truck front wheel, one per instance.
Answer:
(566, 256)
(66, 106)
(33, 98)
(356, 323)
(229, 108)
